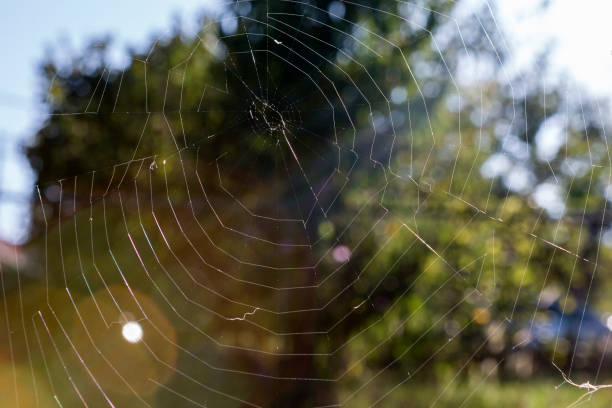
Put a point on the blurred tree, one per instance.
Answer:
(286, 111)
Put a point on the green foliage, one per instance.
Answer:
(174, 155)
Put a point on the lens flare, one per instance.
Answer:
(132, 332)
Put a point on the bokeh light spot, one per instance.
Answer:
(132, 332)
(341, 253)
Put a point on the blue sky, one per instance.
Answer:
(581, 33)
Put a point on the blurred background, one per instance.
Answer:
(287, 203)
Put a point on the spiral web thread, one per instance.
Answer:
(261, 284)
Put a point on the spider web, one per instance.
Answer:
(339, 256)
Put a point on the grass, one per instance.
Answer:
(527, 394)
